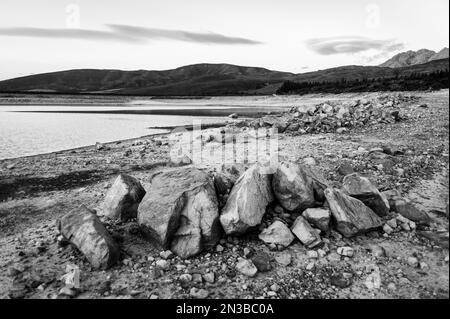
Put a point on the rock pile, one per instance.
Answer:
(333, 116)
(180, 212)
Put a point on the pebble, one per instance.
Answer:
(198, 293)
(219, 248)
(185, 278)
(167, 254)
(312, 254)
(163, 264)
(346, 251)
(388, 229)
(246, 267)
(209, 277)
(283, 259)
(413, 262)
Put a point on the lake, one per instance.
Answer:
(36, 129)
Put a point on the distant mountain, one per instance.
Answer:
(198, 79)
(415, 57)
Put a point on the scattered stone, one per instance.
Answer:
(180, 211)
(318, 217)
(219, 248)
(167, 254)
(312, 254)
(345, 169)
(345, 251)
(246, 267)
(123, 198)
(377, 251)
(373, 281)
(387, 229)
(185, 278)
(82, 228)
(293, 187)
(362, 189)
(340, 281)
(247, 202)
(162, 264)
(305, 233)
(283, 259)
(262, 262)
(209, 277)
(67, 291)
(351, 215)
(277, 233)
(413, 262)
(198, 293)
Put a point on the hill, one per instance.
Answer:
(198, 79)
(415, 57)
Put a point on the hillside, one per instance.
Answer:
(199, 79)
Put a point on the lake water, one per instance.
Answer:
(26, 130)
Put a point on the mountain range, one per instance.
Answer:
(415, 57)
(214, 79)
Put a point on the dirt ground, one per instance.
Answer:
(35, 191)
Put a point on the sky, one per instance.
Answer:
(286, 35)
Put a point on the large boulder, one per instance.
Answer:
(293, 187)
(123, 198)
(83, 229)
(180, 211)
(247, 201)
(351, 215)
(408, 210)
(361, 188)
(277, 233)
(307, 235)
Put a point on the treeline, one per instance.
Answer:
(413, 82)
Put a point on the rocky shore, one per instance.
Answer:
(356, 206)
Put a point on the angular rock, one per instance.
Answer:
(123, 198)
(284, 259)
(247, 201)
(362, 189)
(82, 228)
(277, 233)
(305, 233)
(180, 211)
(318, 217)
(391, 195)
(293, 187)
(262, 262)
(410, 211)
(246, 267)
(351, 215)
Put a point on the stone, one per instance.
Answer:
(163, 264)
(305, 233)
(219, 248)
(209, 277)
(350, 214)
(123, 198)
(377, 251)
(180, 160)
(180, 212)
(362, 189)
(309, 161)
(345, 169)
(318, 217)
(373, 280)
(410, 211)
(283, 259)
(83, 229)
(262, 262)
(246, 267)
(277, 233)
(387, 229)
(247, 201)
(312, 254)
(345, 251)
(198, 293)
(167, 254)
(413, 262)
(391, 195)
(185, 278)
(293, 187)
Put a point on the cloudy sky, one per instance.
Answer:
(287, 35)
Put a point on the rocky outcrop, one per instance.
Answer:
(318, 217)
(247, 201)
(277, 233)
(362, 189)
(293, 187)
(82, 228)
(307, 235)
(123, 198)
(350, 214)
(180, 211)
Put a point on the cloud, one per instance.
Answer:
(82, 34)
(351, 45)
(180, 35)
(126, 33)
